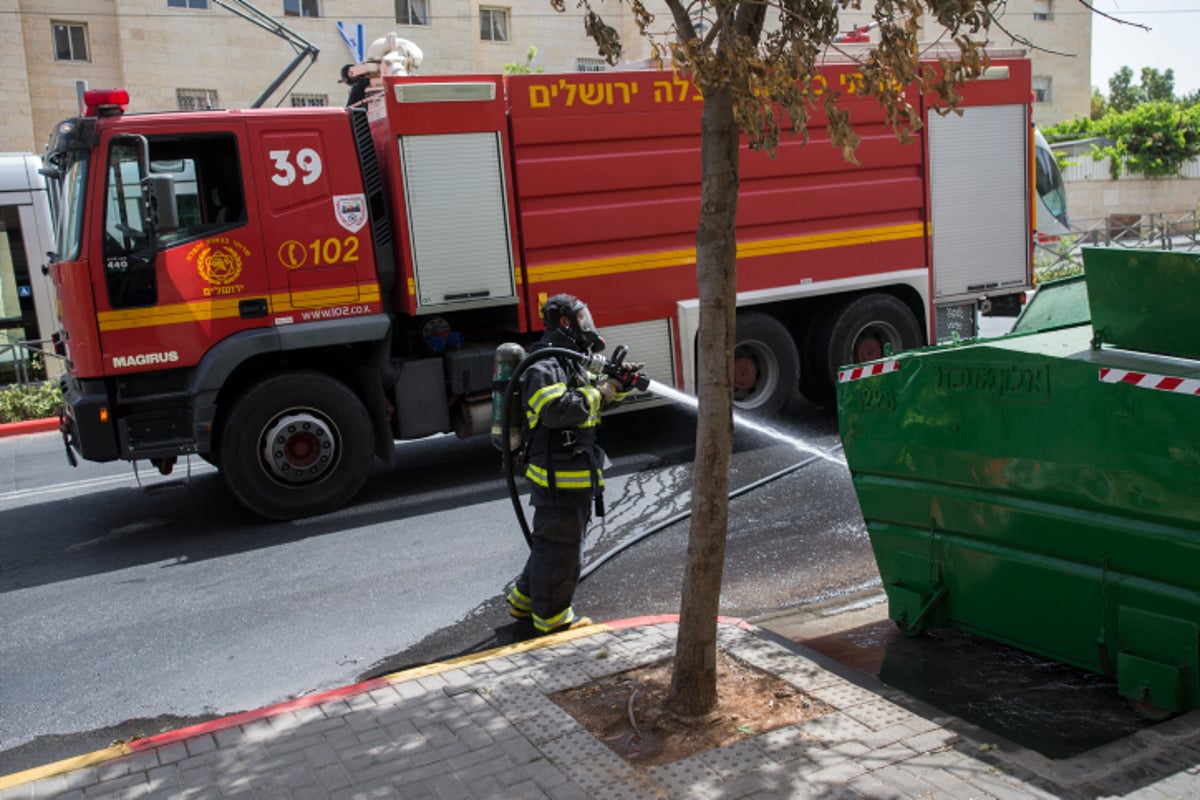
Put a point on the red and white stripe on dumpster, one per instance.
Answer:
(1147, 380)
(869, 371)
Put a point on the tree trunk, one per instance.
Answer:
(694, 679)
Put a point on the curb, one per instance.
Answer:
(123, 749)
(28, 426)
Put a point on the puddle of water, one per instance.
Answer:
(1047, 706)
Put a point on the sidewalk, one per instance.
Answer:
(483, 726)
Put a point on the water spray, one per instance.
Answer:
(682, 398)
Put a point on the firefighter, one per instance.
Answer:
(563, 462)
(357, 78)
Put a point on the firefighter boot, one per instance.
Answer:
(563, 621)
(518, 604)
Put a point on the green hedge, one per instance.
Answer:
(38, 401)
(1155, 139)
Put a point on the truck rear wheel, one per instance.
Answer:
(295, 445)
(766, 365)
(862, 329)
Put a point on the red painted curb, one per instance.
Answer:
(308, 701)
(28, 426)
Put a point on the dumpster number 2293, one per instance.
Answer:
(307, 160)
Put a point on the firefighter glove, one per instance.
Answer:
(611, 391)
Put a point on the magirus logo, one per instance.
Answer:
(145, 359)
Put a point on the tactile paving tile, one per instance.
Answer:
(602, 666)
(834, 728)
(550, 722)
(805, 676)
(516, 702)
(555, 676)
(586, 761)
(685, 778)
(842, 694)
(786, 744)
(879, 714)
(639, 787)
(735, 760)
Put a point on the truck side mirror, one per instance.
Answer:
(162, 204)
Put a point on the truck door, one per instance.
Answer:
(163, 301)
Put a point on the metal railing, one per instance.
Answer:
(21, 356)
(1159, 230)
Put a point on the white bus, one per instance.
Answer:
(26, 236)
(1051, 221)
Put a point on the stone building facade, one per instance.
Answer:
(173, 54)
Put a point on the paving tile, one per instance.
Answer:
(834, 728)
(585, 761)
(736, 759)
(788, 744)
(842, 695)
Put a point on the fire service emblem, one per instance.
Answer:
(219, 261)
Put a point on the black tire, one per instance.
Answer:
(324, 445)
(766, 365)
(862, 329)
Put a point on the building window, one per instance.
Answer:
(1042, 89)
(196, 99)
(301, 8)
(493, 24)
(1043, 10)
(203, 4)
(589, 65)
(412, 12)
(301, 100)
(70, 41)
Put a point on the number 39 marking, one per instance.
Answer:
(285, 172)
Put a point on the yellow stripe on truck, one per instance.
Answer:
(767, 247)
(225, 308)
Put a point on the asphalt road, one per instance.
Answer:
(125, 613)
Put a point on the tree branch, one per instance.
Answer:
(1117, 20)
(1023, 41)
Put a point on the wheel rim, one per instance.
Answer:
(299, 447)
(873, 341)
(755, 374)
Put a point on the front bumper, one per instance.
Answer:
(87, 422)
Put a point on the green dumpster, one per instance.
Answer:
(1043, 488)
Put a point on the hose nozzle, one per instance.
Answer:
(628, 375)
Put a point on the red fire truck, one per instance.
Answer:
(286, 292)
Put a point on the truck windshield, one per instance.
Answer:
(69, 233)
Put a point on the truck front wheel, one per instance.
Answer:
(295, 445)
